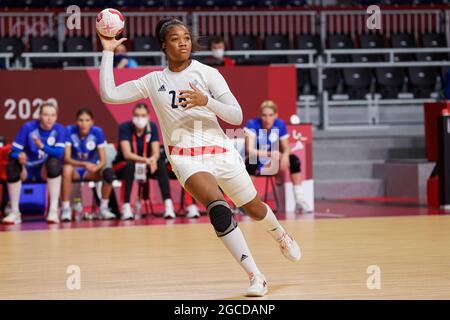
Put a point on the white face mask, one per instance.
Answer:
(140, 122)
(218, 53)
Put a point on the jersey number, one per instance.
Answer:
(174, 95)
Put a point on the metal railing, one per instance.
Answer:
(7, 57)
(97, 55)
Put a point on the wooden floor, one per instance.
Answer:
(189, 262)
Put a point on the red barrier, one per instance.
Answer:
(22, 91)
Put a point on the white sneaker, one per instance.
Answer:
(192, 212)
(127, 214)
(66, 214)
(168, 212)
(8, 209)
(258, 286)
(106, 214)
(52, 216)
(304, 207)
(12, 218)
(289, 247)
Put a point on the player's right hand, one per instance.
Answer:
(90, 167)
(22, 158)
(110, 44)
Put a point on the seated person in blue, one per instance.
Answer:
(139, 151)
(268, 151)
(36, 155)
(84, 160)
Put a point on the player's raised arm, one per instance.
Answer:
(125, 93)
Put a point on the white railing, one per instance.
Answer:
(7, 57)
(97, 55)
(255, 23)
(328, 53)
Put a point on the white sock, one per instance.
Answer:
(236, 244)
(271, 224)
(104, 203)
(168, 203)
(14, 194)
(54, 188)
(66, 204)
(298, 193)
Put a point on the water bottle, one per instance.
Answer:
(137, 208)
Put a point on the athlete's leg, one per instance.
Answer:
(243, 193)
(15, 174)
(107, 177)
(69, 175)
(52, 171)
(203, 187)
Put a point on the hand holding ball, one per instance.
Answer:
(110, 23)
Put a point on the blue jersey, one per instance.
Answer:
(86, 148)
(266, 140)
(53, 141)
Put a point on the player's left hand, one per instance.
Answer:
(194, 98)
(38, 142)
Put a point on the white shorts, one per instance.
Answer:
(228, 169)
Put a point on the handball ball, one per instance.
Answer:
(110, 22)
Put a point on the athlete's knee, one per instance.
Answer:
(108, 175)
(221, 217)
(54, 167)
(295, 165)
(13, 170)
(67, 171)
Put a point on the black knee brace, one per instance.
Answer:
(13, 170)
(295, 165)
(108, 175)
(54, 167)
(221, 217)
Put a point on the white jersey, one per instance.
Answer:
(194, 128)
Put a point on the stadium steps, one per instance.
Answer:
(346, 166)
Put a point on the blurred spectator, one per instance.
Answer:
(218, 58)
(139, 155)
(267, 140)
(121, 60)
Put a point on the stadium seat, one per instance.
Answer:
(78, 44)
(11, 45)
(371, 41)
(276, 42)
(340, 41)
(305, 42)
(433, 40)
(403, 40)
(44, 45)
(389, 81)
(246, 42)
(146, 44)
(422, 81)
(303, 82)
(331, 79)
(357, 82)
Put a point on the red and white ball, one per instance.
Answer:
(110, 22)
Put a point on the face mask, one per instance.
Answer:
(140, 122)
(218, 53)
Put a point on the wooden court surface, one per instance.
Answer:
(187, 261)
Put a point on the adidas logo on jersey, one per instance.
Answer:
(243, 257)
(162, 88)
